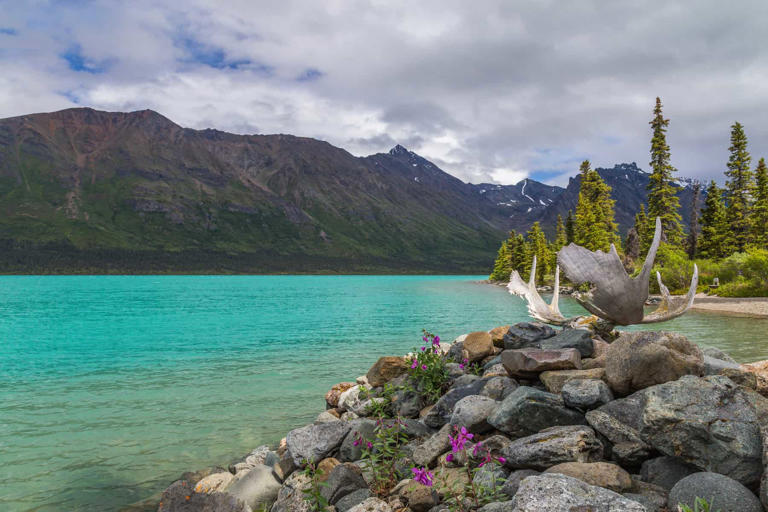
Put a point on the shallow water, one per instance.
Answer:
(110, 387)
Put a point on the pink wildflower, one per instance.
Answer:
(423, 476)
(414, 364)
(423, 367)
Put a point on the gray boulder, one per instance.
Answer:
(512, 483)
(258, 488)
(708, 422)
(499, 506)
(560, 493)
(352, 499)
(666, 471)
(290, 498)
(360, 428)
(472, 412)
(525, 334)
(371, 505)
(586, 393)
(441, 413)
(553, 446)
(528, 363)
(407, 403)
(315, 442)
(260, 455)
(580, 339)
(178, 497)
(637, 360)
(722, 493)
(425, 453)
(528, 410)
(713, 366)
(344, 479)
(491, 476)
(716, 353)
(498, 388)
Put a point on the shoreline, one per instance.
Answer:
(750, 307)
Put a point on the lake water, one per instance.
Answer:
(111, 387)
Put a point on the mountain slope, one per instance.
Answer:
(98, 191)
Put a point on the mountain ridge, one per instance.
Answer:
(84, 190)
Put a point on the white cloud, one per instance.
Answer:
(491, 91)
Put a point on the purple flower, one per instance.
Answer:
(425, 339)
(423, 367)
(369, 445)
(357, 442)
(423, 476)
(436, 341)
(414, 364)
(476, 449)
(461, 366)
(449, 457)
(458, 442)
(423, 349)
(502, 460)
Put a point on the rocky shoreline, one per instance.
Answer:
(523, 418)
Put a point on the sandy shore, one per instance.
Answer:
(755, 307)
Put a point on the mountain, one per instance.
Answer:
(83, 190)
(89, 191)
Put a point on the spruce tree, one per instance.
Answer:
(662, 201)
(693, 234)
(561, 239)
(714, 225)
(539, 247)
(760, 208)
(521, 256)
(570, 237)
(642, 229)
(502, 267)
(738, 189)
(594, 227)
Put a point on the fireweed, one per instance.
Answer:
(383, 453)
(473, 494)
(381, 405)
(428, 368)
(312, 494)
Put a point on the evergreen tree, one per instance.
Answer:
(539, 247)
(594, 227)
(760, 208)
(570, 237)
(693, 234)
(561, 238)
(662, 201)
(521, 257)
(502, 267)
(642, 229)
(714, 225)
(738, 188)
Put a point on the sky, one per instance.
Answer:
(490, 90)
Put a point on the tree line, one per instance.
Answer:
(733, 220)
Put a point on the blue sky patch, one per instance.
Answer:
(8, 31)
(310, 75)
(215, 57)
(78, 62)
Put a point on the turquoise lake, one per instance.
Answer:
(111, 387)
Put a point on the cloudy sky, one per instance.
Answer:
(489, 90)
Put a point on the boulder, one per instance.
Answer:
(363, 428)
(560, 493)
(179, 497)
(553, 446)
(602, 474)
(425, 453)
(315, 442)
(214, 483)
(495, 370)
(407, 403)
(760, 369)
(528, 363)
(722, 493)
(325, 417)
(526, 334)
(386, 369)
(630, 454)
(512, 484)
(350, 400)
(499, 506)
(586, 394)
(555, 380)
(499, 387)
(709, 422)
(332, 396)
(497, 335)
(371, 505)
(441, 413)
(652, 497)
(637, 360)
(716, 353)
(472, 412)
(477, 345)
(352, 499)
(528, 410)
(290, 498)
(666, 471)
(713, 366)
(259, 455)
(344, 479)
(324, 468)
(420, 498)
(257, 489)
(579, 339)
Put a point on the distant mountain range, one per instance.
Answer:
(83, 190)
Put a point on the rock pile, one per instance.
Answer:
(644, 423)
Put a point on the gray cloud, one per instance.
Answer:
(495, 90)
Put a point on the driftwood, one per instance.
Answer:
(614, 297)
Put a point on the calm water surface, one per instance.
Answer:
(110, 387)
